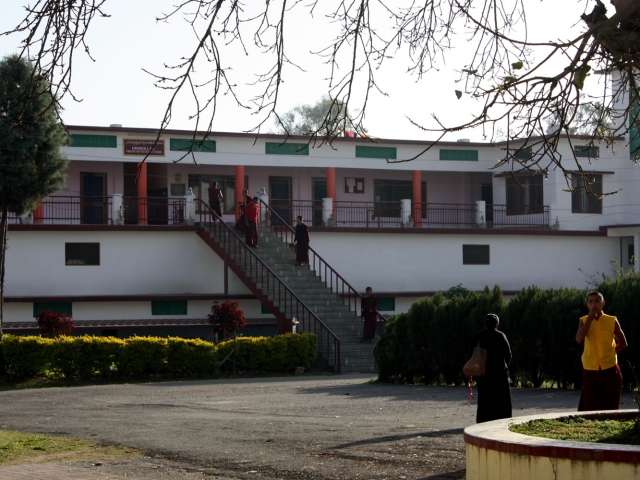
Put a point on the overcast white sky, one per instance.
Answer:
(115, 89)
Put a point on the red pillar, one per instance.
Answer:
(239, 187)
(142, 193)
(331, 187)
(416, 210)
(38, 213)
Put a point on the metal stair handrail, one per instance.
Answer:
(266, 280)
(333, 279)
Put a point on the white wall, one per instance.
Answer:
(409, 263)
(131, 263)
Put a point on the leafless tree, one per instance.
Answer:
(517, 93)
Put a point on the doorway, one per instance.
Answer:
(93, 209)
(486, 195)
(318, 192)
(280, 197)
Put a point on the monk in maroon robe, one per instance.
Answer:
(369, 308)
(301, 240)
(242, 220)
(251, 214)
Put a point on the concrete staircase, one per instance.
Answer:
(356, 355)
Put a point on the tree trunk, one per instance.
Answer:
(3, 255)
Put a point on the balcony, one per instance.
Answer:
(70, 210)
(74, 210)
(424, 215)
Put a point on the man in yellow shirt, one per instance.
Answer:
(603, 339)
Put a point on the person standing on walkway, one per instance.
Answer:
(302, 240)
(215, 196)
(369, 312)
(251, 214)
(603, 339)
(494, 393)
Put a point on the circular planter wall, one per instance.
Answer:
(495, 453)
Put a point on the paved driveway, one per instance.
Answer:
(296, 427)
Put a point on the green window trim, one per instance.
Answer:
(93, 141)
(458, 155)
(273, 148)
(264, 310)
(376, 152)
(386, 304)
(184, 145)
(634, 131)
(55, 307)
(168, 307)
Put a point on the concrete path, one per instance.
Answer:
(296, 427)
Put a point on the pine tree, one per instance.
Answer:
(31, 164)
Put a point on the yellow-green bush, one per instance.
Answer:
(190, 356)
(86, 356)
(27, 356)
(273, 354)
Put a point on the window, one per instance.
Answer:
(375, 152)
(386, 304)
(524, 195)
(82, 254)
(56, 307)
(184, 144)
(581, 200)
(524, 154)
(475, 254)
(226, 183)
(272, 148)
(264, 310)
(388, 193)
(462, 155)
(586, 151)
(94, 141)
(634, 131)
(168, 307)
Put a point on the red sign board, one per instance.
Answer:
(143, 147)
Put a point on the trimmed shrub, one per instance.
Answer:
(85, 357)
(142, 356)
(27, 356)
(189, 356)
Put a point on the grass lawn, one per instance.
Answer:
(582, 430)
(18, 448)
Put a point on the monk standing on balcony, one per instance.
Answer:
(251, 214)
(301, 241)
(369, 308)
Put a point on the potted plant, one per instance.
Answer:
(409, 223)
(330, 222)
(120, 217)
(190, 220)
(482, 223)
(28, 219)
(556, 226)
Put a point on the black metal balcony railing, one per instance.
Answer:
(74, 210)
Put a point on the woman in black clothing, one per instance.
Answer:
(494, 394)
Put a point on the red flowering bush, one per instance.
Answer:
(54, 325)
(227, 317)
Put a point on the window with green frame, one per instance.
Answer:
(459, 155)
(93, 141)
(386, 304)
(184, 144)
(375, 152)
(56, 307)
(264, 309)
(168, 307)
(273, 148)
(634, 131)
(388, 193)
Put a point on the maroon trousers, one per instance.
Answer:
(369, 331)
(251, 234)
(601, 389)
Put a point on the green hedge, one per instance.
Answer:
(430, 343)
(87, 356)
(272, 354)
